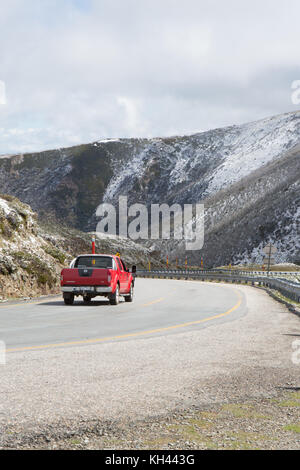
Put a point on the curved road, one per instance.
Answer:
(179, 345)
(159, 307)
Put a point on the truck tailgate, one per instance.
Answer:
(86, 277)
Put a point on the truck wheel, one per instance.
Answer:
(69, 299)
(114, 298)
(87, 299)
(129, 298)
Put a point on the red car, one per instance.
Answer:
(90, 276)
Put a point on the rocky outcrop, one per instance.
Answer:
(32, 255)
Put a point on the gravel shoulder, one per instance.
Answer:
(230, 385)
(260, 424)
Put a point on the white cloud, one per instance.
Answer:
(80, 70)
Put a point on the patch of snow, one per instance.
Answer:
(105, 141)
(4, 206)
(258, 144)
(135, 167)
(288, 245)
(292, 265)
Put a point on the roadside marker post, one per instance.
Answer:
(269, 251)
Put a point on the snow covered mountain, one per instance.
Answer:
(197, 166)
(247, 176)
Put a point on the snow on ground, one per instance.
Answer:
(4, 206)
(105, 141)
(135, 167)
(258, 144)
(288, 246)
(220, 157)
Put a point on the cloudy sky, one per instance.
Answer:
(77, 71)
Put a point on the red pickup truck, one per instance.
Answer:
(93, 275)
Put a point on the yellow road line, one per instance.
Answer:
(130, 335)
(153, 302)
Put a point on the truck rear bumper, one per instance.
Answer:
(86, 289)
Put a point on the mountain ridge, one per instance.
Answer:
(68, 184)
(114, 139)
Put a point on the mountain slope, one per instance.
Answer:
(261, 208)
(247, 176)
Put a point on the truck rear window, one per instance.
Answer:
(102, 262)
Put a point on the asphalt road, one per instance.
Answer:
(181, 345)
(159, 308)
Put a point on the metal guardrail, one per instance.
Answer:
(262, 273)
(288, 288)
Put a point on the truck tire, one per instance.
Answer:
(87, 299)
(115, 297)
(129, 298)
(69, 299)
